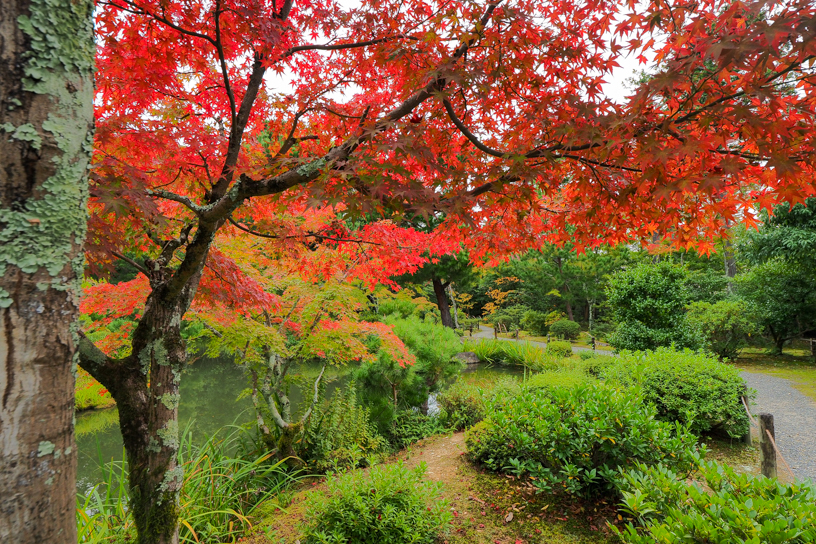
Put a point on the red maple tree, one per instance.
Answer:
(232, 117)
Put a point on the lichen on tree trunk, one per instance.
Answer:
(46, 132)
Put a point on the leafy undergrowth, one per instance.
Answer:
(796, 365)
(487, 508)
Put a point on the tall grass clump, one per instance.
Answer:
(221, 489)
(525, 354)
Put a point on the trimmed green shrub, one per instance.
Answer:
(724, 326)
(462, 405)
(510, 317)
(559, 349)
(535, 322)
(391, 504)
(559, 378)
(565, 329)
(728, 508)
(584, 355)
(576, 439)
(692, 388)
(649, 303)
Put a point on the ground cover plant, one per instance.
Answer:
(390, 504)
(576, 439)
(693, 388)
(719, 505)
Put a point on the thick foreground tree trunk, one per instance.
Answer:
(146, 389)
(442, 302)
(46, 133)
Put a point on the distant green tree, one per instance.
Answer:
(789, 234)
(649, 303)
(783, 295)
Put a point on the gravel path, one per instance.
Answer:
(794, 421)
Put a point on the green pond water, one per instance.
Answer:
(210, 400)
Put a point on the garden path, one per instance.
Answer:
(794, 421)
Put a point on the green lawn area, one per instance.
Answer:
(796, 365)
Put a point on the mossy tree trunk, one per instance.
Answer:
(145, 386)
(46, 132)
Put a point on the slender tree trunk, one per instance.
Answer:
(730, 264)
(442, 302)
(455, 309)
(46, 132)
(569, 310)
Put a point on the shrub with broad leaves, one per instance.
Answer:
(577, 439)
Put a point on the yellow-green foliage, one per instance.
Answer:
(90, 393)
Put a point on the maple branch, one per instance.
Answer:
(219, 47)
(139, 10)
(239, 123)
(469, 135)
(309, 172)
(341, 46)
(167, 195)
(308, 234)
(110, 372)
(131, 262)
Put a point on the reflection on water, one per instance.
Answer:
(211, 398)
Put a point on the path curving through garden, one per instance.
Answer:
(794, 421)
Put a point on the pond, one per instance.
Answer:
(211, 399)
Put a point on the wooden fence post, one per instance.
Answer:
(767, 453)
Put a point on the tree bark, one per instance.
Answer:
(46, 132)
(145, 386)
(442, 302)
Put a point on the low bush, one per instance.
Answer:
(565, 329)
(595, 364)
(724, 507)
(559, 378)
(340, 434)
(724, 326)
(576, 439)
(692, 388)
(535, 322)
(461, 405)
(389, 505)
(559, 349)
(410, 426)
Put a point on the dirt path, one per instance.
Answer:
(442, 455)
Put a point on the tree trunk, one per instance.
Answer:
(442, 302)
(145, 386)
(730, 265)
(455, 309)
(46, 132)
(569, 310)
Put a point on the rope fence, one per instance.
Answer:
(770, 437)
